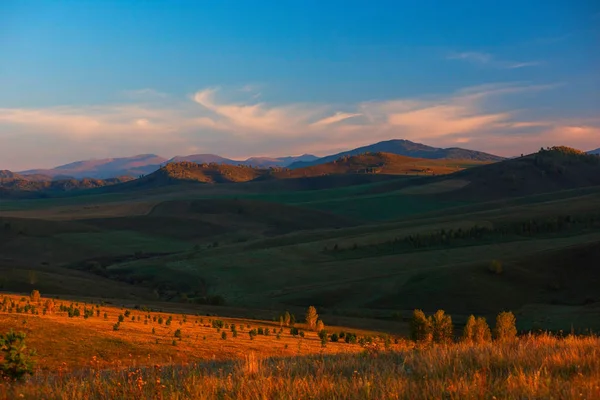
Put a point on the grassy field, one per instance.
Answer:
(188, 357)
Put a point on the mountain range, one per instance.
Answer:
(147, 163)
(409, 149)
(144, 164)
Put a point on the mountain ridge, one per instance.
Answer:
(407, 148)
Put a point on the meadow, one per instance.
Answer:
(191, 356)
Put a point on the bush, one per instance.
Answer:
(178, 334)
(224, 335)
(495, 267)
(506, 328)
(116, 326)
(311, 318)
(334, 337)
(121, 318)
(35, 296)
(17, 360)
(350, 338)
(420, 327)
(320, 326)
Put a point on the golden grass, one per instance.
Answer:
(542, 367)
(86, 359)
(70, 343)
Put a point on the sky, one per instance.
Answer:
(88, 79)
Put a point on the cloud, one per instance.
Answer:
(489, 60)
(337, 117)
(234, 124)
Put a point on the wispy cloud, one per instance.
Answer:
(232, 123)
(337, 117)
(488, 59)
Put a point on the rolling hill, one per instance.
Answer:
(19, 186)
(363, 164)
(406, 148)
(559, 168)
(596, 152)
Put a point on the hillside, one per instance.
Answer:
(406, 148)
(204, 173)
(363, 164)
(104, 168)
(554, 169)
(34, 185)
(380, 163)
(595, 152)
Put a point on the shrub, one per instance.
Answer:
(49, 306)
(323, 337)
(495, 267)
(420, 327)
(178, 334)
(311, 318)
(350, 338)
(442, 328)
(121, 318)
(320, 326)
(224, 335)
(35, 296)
(17, 360)
(116, 326)
(505, 329)
(334, 337)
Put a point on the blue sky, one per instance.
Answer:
(95, 79)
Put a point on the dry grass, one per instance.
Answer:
(70, 343)
(541, 367)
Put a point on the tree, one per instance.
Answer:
(442, 327)
(17, 359)
(320, 326)
(49, 306)
(311, 318)
(476, 330)
(35, 296)
(506, 328)
(469, 330)
(420, 327)
(287, 318)
(482, 331)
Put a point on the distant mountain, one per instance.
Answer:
(406, 148)
(261, 162)
(597, 151)
(203, 159)
(104, 168)
(266, 162)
